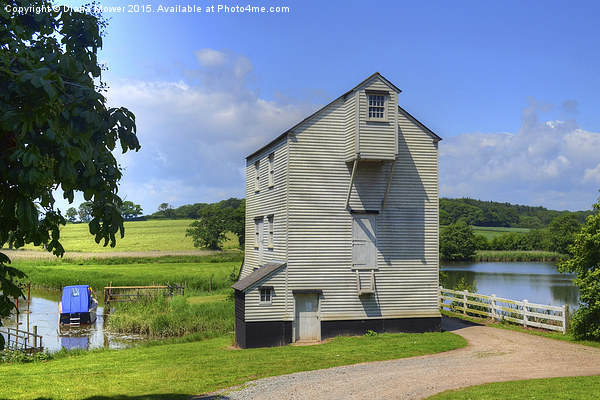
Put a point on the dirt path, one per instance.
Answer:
(493, 355)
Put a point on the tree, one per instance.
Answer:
(237, 223)
(71, 214)
(85, 211)
(457, 242)
(209, 230)
(561, 232)
(166, 210)
(56, 131)
(585, 263)
(130, 210)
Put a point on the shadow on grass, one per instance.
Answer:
(166, 396)
(450, 324)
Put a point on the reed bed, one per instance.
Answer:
(164, 317)
(517, 256)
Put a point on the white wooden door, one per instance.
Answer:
(364, 241)
(307, 317)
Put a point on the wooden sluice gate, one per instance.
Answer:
(135, 293)
(17, 339)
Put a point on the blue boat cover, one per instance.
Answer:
(76, 299)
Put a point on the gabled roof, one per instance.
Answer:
(284, 134)
(258, 275)
(426, 129)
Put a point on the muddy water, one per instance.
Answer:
(43, 313)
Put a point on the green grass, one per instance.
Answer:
(568, 337)
(181, 370)
(98, 273)
(140, 236)
(550, 388)
(491, 232)
(583, 387)
(161, 317)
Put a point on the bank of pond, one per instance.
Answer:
(201, 314)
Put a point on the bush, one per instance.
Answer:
(457, 242)
(585, 263)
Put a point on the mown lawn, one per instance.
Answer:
(151, 235)
(181, 370)
(581, 388)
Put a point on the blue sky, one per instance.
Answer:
(512, 88)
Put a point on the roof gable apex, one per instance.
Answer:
(375, 77)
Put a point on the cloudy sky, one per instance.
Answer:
(512, 87)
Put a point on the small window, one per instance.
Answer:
(271, 229)
(258, 225)
(257, 176)
(271, 170)
(376, 106)
(266, 296)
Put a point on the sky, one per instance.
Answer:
(512, 87)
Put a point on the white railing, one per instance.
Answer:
(520, 312)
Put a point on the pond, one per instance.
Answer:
(537, 282)
(44, 314)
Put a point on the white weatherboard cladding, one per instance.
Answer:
(319, 227)
(378, 139)
(268, 201)
(267, 312)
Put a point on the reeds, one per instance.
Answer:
(517, 256)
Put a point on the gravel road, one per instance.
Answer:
(493, 355)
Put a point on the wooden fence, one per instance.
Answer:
(520, 312)
(134, 293)
(16, 339)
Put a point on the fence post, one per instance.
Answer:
(565, 318)
(35, 343)
(465, 302)
(525, 319)
(494, 315)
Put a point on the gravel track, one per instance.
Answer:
(492, 355)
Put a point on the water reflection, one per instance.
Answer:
(43, 313)
(537, 282)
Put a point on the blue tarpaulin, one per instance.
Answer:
(76, 299)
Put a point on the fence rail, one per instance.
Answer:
(16, 339)
(134, 293)
(520, 312)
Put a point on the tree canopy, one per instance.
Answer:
(585, 263)
(457, 242)
(56, 131)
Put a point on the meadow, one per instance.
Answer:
(140, 236)
(491, 232)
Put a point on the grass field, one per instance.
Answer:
(491, 232)
(151, 235)
(134, 271)
(181, 370)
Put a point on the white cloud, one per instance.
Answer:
(195, 134)
(551, 163)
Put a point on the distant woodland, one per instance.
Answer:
(491, 213)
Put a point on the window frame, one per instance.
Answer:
(382, 97)
(257, 176)
(258, 232)
(271, 176)
(271, 234)
(267, 299)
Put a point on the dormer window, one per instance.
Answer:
(376, 106)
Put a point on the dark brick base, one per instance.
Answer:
(397, 325)
(279, 333)
(262, 334)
